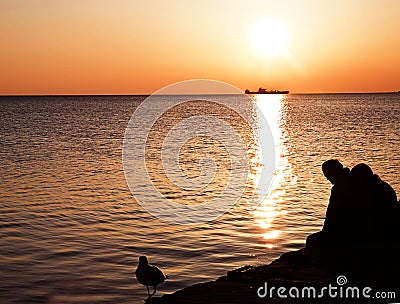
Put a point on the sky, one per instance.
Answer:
(139, 47)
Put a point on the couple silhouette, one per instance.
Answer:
(362, 211)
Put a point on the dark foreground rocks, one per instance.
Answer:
(368, 275)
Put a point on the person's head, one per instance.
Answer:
(361, 172)
(333, 170)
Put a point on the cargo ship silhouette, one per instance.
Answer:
(264, 91)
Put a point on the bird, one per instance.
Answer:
(149, 275)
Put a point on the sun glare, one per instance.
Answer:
(269, 38)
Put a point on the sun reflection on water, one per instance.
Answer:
(269, 210)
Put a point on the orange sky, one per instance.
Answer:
(133, 47)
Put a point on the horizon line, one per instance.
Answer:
(144, 94)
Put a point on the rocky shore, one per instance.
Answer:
(364, 275)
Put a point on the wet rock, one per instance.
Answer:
(300, 270)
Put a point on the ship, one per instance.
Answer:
(264, 91)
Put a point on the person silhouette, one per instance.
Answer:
(338, 218)
(362, 210)
(381, 190)
(377, 204)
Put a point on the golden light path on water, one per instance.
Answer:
(270, 208)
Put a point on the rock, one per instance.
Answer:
(376, 269)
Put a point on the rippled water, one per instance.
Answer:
(71, 231)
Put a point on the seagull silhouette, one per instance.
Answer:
(149, 275)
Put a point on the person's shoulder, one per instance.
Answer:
(377, 180)
(386, 188)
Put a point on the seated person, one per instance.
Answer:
(362, 210)
(337, 213)
(378, 204)
(337, 219)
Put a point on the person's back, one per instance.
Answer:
(363, 185)
(376, 201)
(385, 210)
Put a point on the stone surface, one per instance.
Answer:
(376, 268)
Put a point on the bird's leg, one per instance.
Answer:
(148, 291)
(154, 291)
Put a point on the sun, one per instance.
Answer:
(269, 38)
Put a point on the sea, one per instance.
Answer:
(75, 217)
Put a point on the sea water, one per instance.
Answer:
(71, 231)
